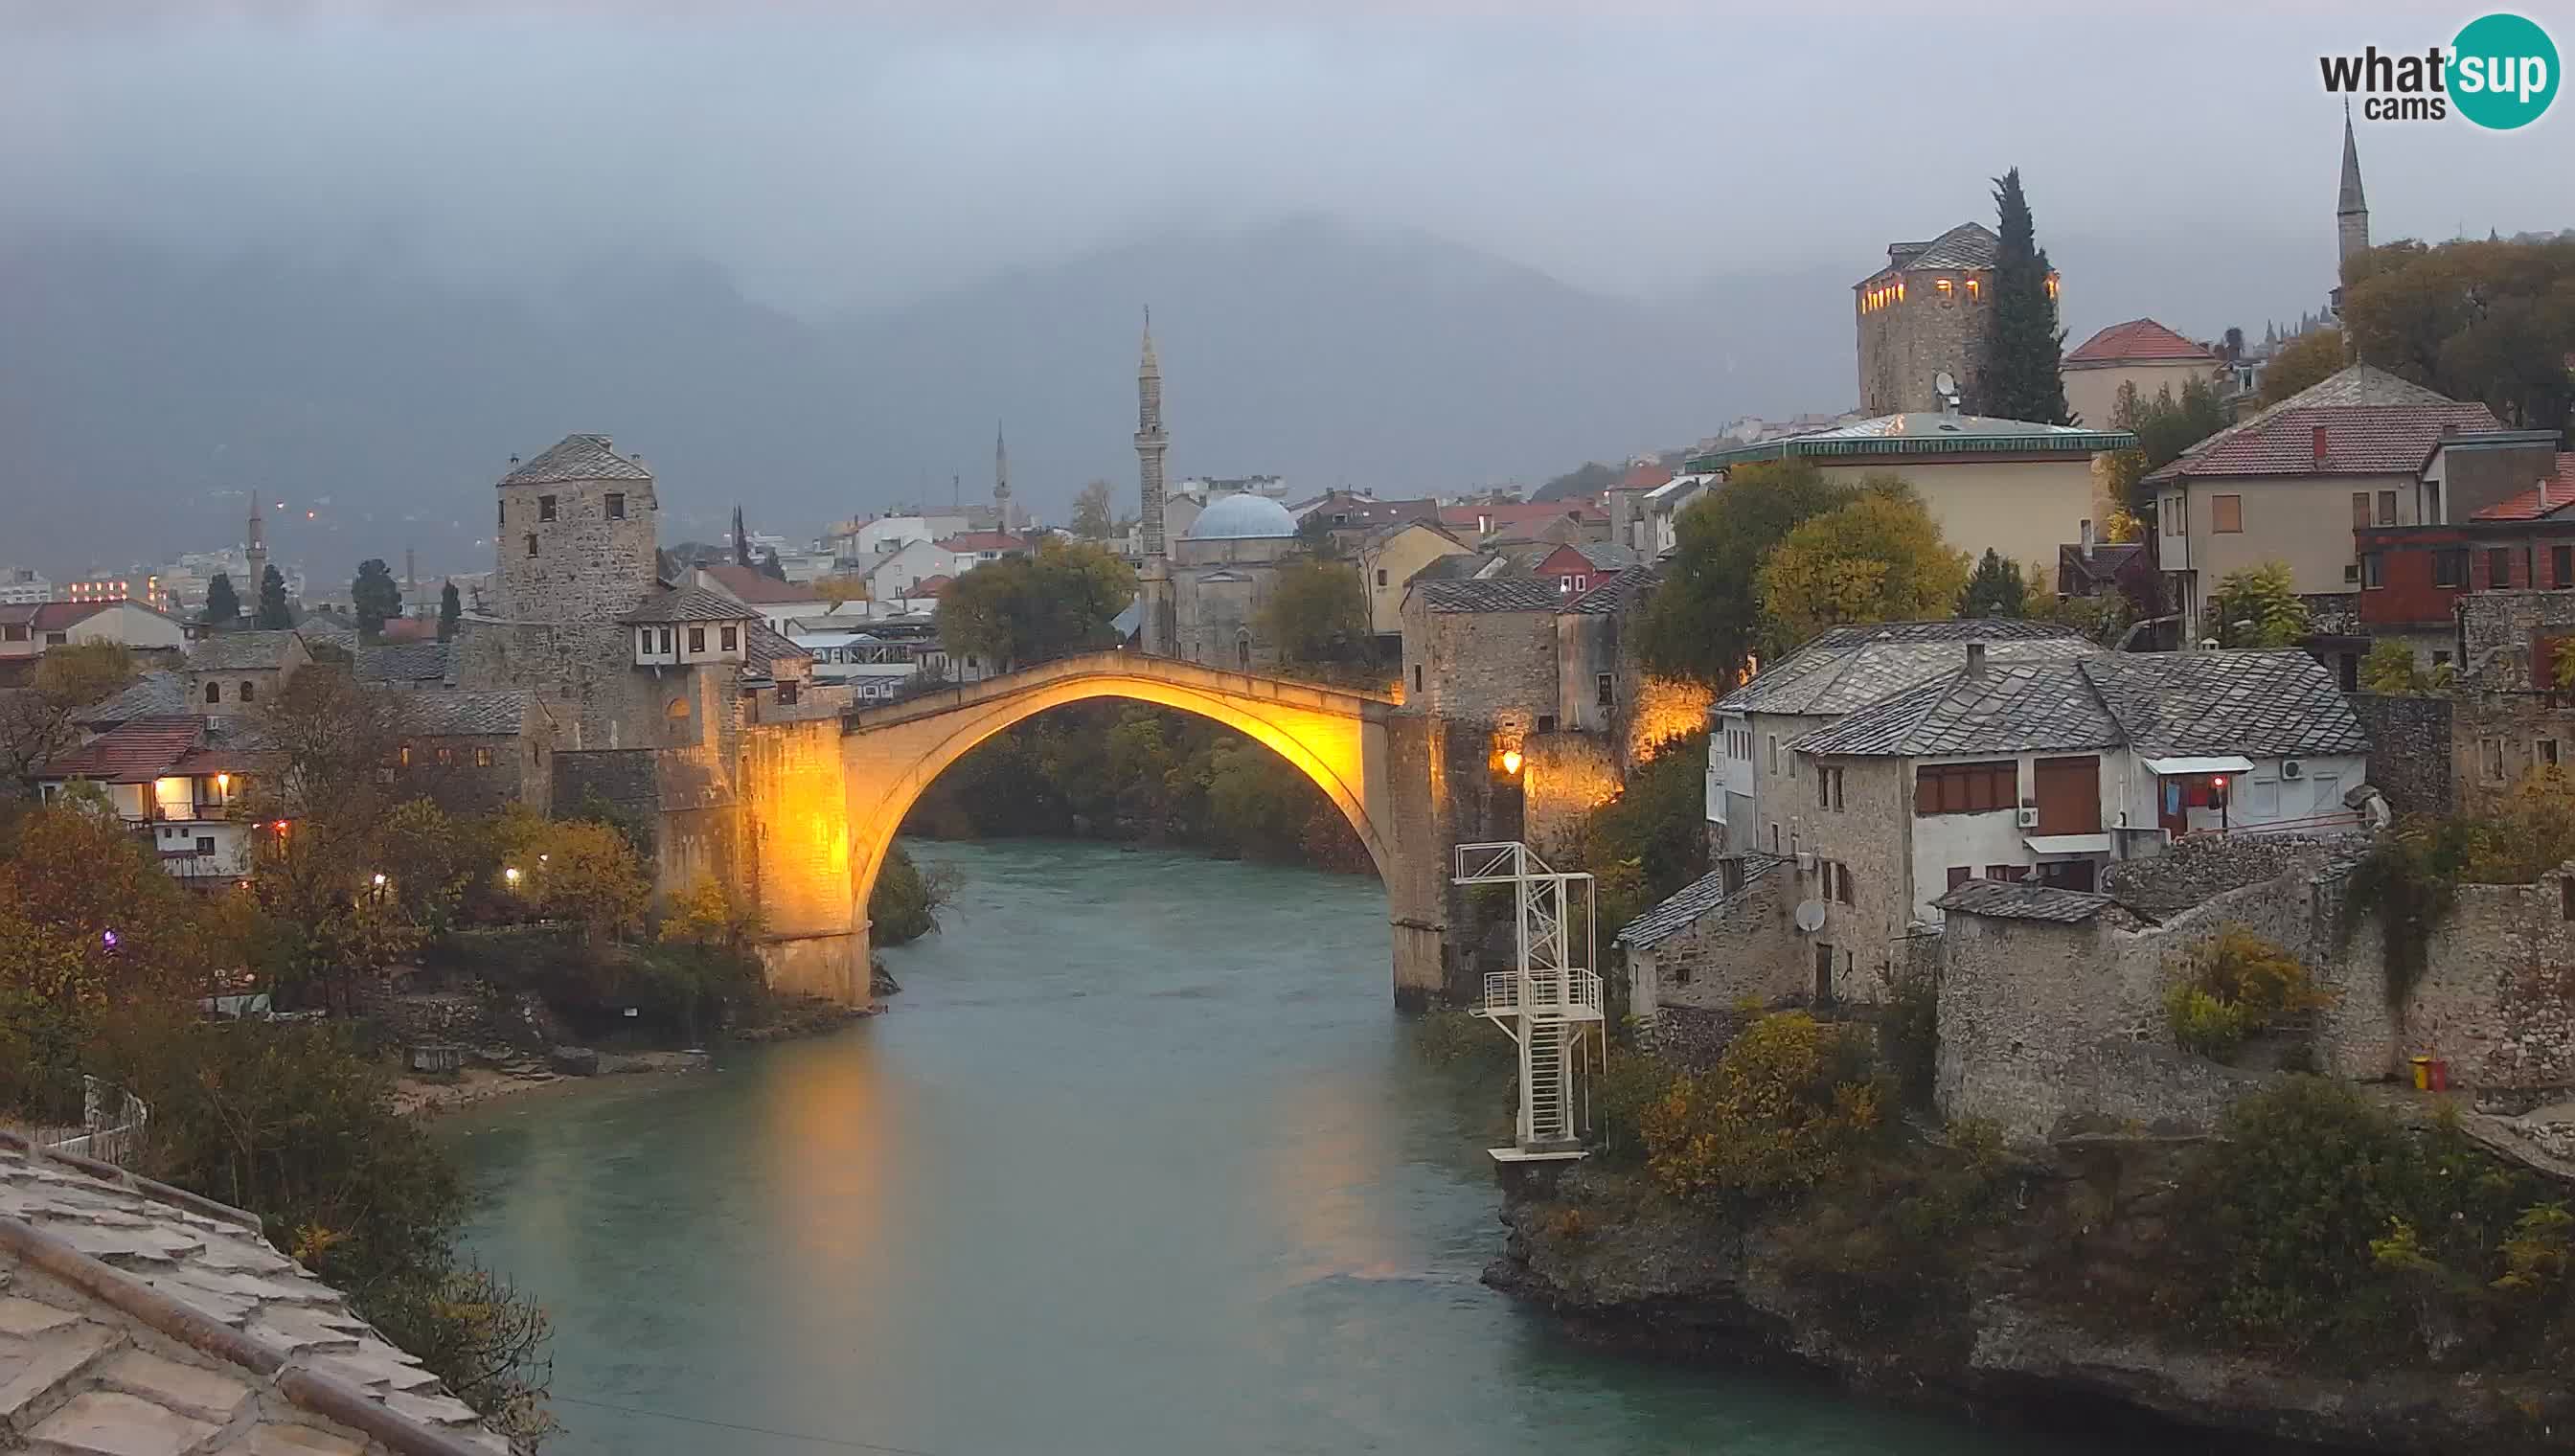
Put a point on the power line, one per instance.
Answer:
(664, 1415)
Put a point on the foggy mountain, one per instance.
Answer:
(144, 392)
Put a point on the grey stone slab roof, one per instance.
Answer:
(410, 661)
(1455, 567)
(138, 1318)
(2257, 704)
(154, 694)
(577, 458)
(1497, 594)
(479, 713)
(2021, 900)
(763, 649)
(1968, 245)
(1693, 901)
(690, 604)
(1619, 593)
(1851, 668)
(2001, 708)
(233, 652)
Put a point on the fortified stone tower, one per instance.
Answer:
(1157, 630)
(576, 536)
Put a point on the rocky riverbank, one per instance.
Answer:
(2058, 1302)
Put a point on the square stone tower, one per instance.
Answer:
(1920, 317)
(578, 535)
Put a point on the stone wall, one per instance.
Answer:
(798, 825)
(623, 778)
(587, 566)
(1563, 777)
(2496, 632)
(1494, 668)
(1904, 344)
(1747, 948)
(2194, 871)
(2410, 751)
(584, 670)
(2496, 738)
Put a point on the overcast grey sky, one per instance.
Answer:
(837, 156)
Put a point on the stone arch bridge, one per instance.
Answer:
(826, 797)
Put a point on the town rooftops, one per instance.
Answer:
(690, 604)
(577, 458)
(2161, 705)
(141, 1318)
(2364, 421)
(763, 649)
(1849, 667)
(2096, 567)
(410, 661)
(1495, 593)
(1001, 541)
(1343, 512)
(2138, 341)
(1921, 434)
(2549, 498)
(1617, 593)
(237, 651)
(1644, 475)
(482, 714)
(929, 586)
(2021, 900)
(1693, 901)
(744, 584)
(157, 693)
(43, 616)
(136, 752)
(1497, 515)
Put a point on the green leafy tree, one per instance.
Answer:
(2477, 319)
(904, 906)
(1878, 558)
(451, 610)
(37, 725)
(223, 604)
(2019, 375)
(2166, 427)
(1057, 599)
(2391, 668)
(2304, 362)
(1997, 588)
(1315, 537)
(1316, 613)
(376, 596)
(1092, 519)
(771, 567)
(2259, 606)
(273, 613)
(1703, 622)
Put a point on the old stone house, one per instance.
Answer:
(234, 672)
(1920, 317)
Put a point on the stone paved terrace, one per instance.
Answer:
(138, 1320)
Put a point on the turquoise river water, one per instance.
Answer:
(1140, 1163)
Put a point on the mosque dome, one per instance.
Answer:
(1242, 516)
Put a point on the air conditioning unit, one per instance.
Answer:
(2291, 769)
(2029, 819)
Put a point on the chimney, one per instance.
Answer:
(2087, 540)
(1975, 659)
(2320, 444)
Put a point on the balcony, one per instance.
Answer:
(1558, 995)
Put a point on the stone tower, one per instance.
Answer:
(2351, 211)
(254, 559)
(1157, 630)
(1003, 518)
(576, 536)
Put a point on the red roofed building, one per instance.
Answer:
(174, 779)
(2299, 482)
(2139, 352)
(1526, 521)
(2411, 575)
(973, 547)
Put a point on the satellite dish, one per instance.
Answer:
(1946, 382)
(1810, 915)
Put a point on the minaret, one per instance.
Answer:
(2351, 212)
(255, 554)
(1001, 482)
(1158, 627)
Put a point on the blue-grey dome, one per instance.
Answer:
(1242, 516)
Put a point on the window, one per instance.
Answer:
(1774, 752)
(446, 756)
(1604, 690)
(2360, 510)
(786, 694)
(2432, 505)
(1416, 676)
(545, 507)
(2561, 567)
(731, 637)
(2262, 799)
(1946, 289)
(1974, 290)
(2374, 569)
(532, 543)
(666, 639)
(2007, 872)
(1381, 575)
(1546, 723)
(2498, 568)
(1948, 789)
(2387, 508)
(1959, 875)
(214, 693)
(1829, 788)
(1824, 974)
(57, 638)
(2490, 759)
(616, 504)
(2450, 568)
(1774, 836)
(248, 691)
(696, 638)
(402, 756)
(482, 757)
(2440, 660)
(1564, 583)
(1841, 884)
(205, 844)
(2543, 752)
(2169, 514)
(2226, 512)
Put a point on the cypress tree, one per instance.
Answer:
(273, 615)
(1997, 588)
(376, 596)
(2022, 348)
(223, 604)
(451, 610)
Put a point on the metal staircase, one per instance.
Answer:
(1550, 1004)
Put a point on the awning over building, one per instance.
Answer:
(2218, 763)
(2044, 845)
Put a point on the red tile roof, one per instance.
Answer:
(929, 586)
(748, 586)
(2358, 439)
(53, 615)
(984, 541)
(1519, 513)
(2547, 498)
(2136, 341)
(1644, 476)
(131, 753)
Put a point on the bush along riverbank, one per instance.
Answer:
(2321, 1271)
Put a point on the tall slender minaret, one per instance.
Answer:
(255, 554)
(1151, 442)
(2351, 212)
(1004, 522)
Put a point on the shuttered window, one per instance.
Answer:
(1950, 788)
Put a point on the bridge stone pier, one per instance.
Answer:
(1409, 784)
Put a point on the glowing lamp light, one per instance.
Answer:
(1511, 761)
(379, 879)
(511, 874)
(223, 782)
(107, 939)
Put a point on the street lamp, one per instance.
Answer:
(511, 874)
(1511, 761)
